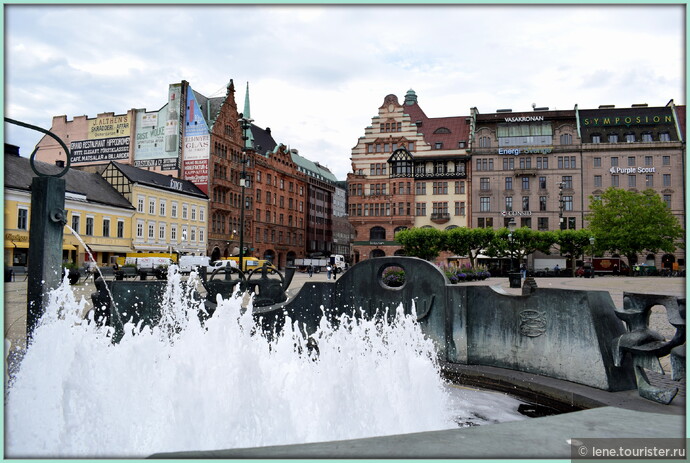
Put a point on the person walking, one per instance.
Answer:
(311, 271)
(328, 272)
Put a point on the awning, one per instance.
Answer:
(109, 248)
(16, 244)
(69, 247)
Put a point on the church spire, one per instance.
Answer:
(246, 114)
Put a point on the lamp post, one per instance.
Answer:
(511, 226)
(591, 243)
(245, 124)
(561, 204)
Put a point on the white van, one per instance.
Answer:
(187, 263)
(220, 264)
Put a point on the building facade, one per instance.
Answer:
(408, 170)
(526, 166)
(636, 148)
(171, 215)
(96, 212)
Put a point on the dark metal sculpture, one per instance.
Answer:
(646, 347)
(48, 218)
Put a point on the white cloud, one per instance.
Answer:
(318, 73)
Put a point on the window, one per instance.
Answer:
(632, 181)
(649, 180)
(438, 145)
(140, 229)
(89, 226)
(420, 188)
(542, 162)
(509, 203)
(485, 204)
(648, 160)
(667, 200)
(647, 137)
(542, 203)
(484, 142)
(509, 183)
(106, 227)
(485, 222)
(666, 160)
(614, 161)
(75, 222)
(525, 203)
(173, 210)
(508, 163)
(377, 233)
(484, 184)
(596, 162)
(568, 203)
(201, 235)
(525, 163)
(542, 183)
(151, 231)
(525, 183)
(459, 207)
(23, 219)
(614, 181)
(631, 160)
(571, 223)
(193, 213)
(140, 204)
(460, 188)
(566, 139)
(613, 138)
(596, 138)
(567, 181)
(420, 209)
(192, 236)
(120, 229)
(184, 212)
(161, 232)
(597, 181)
(664, 136)
(526, 222)
(152, 206)
(629, 137)
(202, 214)
(542, 223)
(667, 179)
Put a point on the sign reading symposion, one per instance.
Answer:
(107, 140)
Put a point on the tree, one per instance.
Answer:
(572, 243)
(628, 223)
(425, 243)
(468, 242)
(520, 243)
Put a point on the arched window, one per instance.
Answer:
(442, 130)
(377, 233)
(377, 253)
(401, 163)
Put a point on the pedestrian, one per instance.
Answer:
(311, 271)
(328, 272)
(523, 271)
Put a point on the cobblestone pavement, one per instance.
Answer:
(15, 299)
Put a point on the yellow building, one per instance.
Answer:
(95, 211)
(171, 215)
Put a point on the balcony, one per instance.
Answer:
(440, 217)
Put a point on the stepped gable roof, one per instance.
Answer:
(446, 130)
(263, 140)
(19, 175)
(157, 180)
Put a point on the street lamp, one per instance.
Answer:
(511, 226)
(591, 243)
(245, 124)
(561, 205)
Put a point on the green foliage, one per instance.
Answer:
(524, 241)
(425, 243)
(628, 223)
(463, 241)
(393, 277)
(573, 243)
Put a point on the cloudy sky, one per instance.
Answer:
(317, 74)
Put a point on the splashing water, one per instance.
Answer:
(186, 386)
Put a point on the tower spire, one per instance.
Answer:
(246, 114)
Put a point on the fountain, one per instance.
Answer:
(351, 368)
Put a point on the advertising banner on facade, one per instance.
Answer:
(157, 134)
(197, 145)
(109, 126)
(103, 149)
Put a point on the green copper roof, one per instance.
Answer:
(313, 169)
